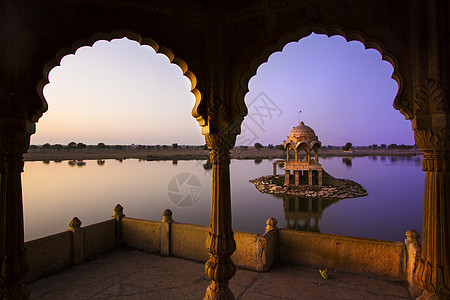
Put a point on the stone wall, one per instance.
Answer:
(253, 251)
(343, 253)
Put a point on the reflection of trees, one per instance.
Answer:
(175, 162)
(78, 163)
(100, 162)
(303, 213)
(347, 161)
(258, 161)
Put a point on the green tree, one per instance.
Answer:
(101, 145)
(392, 146)
(46, 146)
(81, 146)
(72, 145)
(347, 147)
(258, 146)
(174, 145)
(383, 146)
(57, 147)
(279, 147)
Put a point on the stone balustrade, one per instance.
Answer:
(253, 251)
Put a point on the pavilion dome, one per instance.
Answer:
(303, 133)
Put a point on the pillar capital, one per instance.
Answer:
(15, 135)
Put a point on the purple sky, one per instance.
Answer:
(120, 93)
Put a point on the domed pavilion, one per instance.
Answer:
(307, 170)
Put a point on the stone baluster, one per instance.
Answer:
(433, 269)
(220, 241)
(14, 141)
(118, 216)
(77, 241)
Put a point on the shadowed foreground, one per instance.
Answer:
(124, 273)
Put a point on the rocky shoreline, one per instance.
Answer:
(275, 185)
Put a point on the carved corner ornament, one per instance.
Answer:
(430, 98)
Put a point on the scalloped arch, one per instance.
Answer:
(295, 36)
(131, 36)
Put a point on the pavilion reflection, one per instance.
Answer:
(304, 213)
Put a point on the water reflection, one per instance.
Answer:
(347, 161)
(304, 213)
(100, 162)
(258, 161)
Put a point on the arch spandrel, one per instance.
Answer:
(59, 28)
(196, 111)
(354, 24)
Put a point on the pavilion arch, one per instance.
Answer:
(118, 35)
(332, 30)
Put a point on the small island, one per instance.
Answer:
(308, 179)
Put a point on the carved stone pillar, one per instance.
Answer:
(433, 270)
(13, 259)
(220, 241)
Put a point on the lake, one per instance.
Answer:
(55, 192)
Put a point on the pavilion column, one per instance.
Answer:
(320, 173)
(220, 241)
(274, 166)
(310, 177)
(287, 174)
(13, 258)
(433, 270)
(296, 177)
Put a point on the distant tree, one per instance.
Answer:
(392, 146)
(374, 146)
(33, 147)
(347, 147)
(174, 146)
(46, 146)
(81, 146)
(101, 145)
(72, 145)
(383, 146)
(270, 146)
(258, 146)
(57, 147)
(205, 147)
(279, 147)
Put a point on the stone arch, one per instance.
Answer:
(108, 36)
(328, 30)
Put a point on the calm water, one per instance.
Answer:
(56, 192)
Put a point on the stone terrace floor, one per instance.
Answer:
(124, 273)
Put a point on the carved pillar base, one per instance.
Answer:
(221, 268)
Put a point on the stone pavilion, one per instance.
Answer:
(307, 171)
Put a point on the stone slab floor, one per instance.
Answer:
(128, 274)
